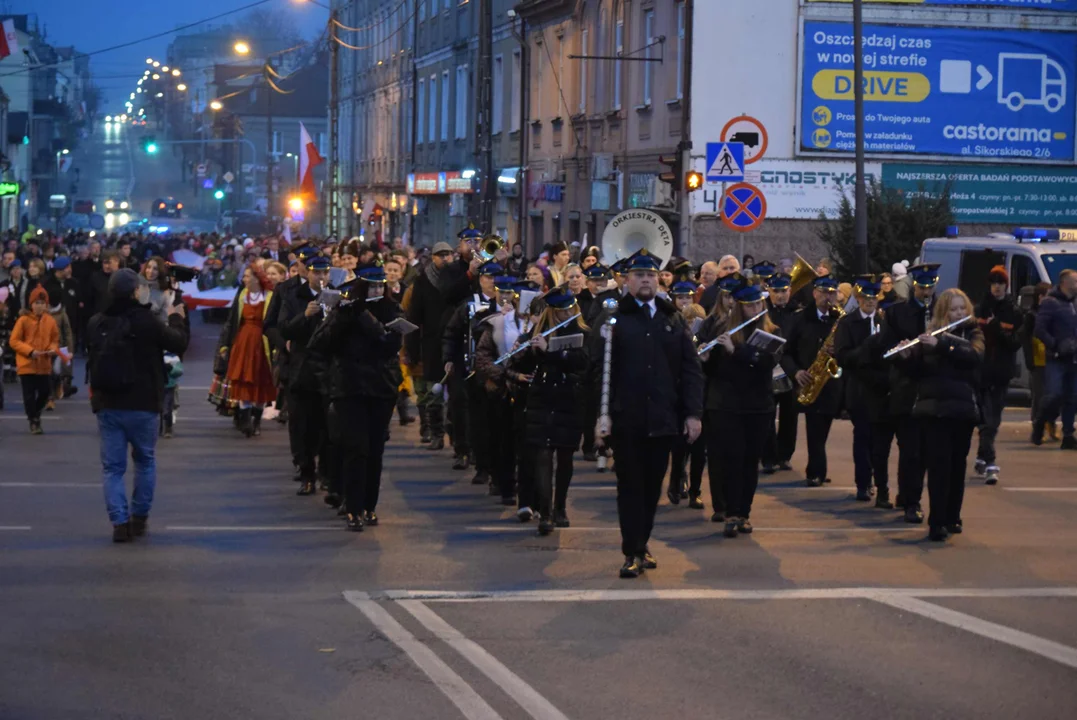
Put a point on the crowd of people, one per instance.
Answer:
(517, 363)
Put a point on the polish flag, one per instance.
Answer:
(308, 160)
(9, 41)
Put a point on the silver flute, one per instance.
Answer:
(935, 333)
(713, 343)
(527, 344)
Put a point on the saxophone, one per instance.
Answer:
(822, 369)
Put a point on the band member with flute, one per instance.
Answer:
(905, 322)
(740, 404)
(783, 442)
(946, 367)
(656, 388)
(858, 349)
(805, 360)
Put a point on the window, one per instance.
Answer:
(536, 100)
(648, 68)
(433, 8)
(514, 109)
(602, 43)
(583, 70)
(461, 102)
(618, 50)
(323, 146)
(432, 111)
(498, 98)
(278, 142)
(419, 117)
(444, 105)
(680, 50)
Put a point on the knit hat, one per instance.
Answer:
(998, 274)
(899, 269)
(38, 294)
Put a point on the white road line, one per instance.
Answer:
(14, 528)
(462, 695)
(49, 485)
(1049, 649)
(525, 696)
(522, 527)
(252, 528)
(1040, 489)
(840, 593)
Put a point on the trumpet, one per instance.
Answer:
(714, 343)
(489, 246)
(916, 341)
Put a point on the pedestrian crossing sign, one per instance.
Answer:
(725, 162)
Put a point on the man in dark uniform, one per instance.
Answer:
(307, 402)
(781, 444)
(806, 337)
(467, 398)
(858, 350)
(656, 393)
(907, 321)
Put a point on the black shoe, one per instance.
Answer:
(914, 515)
(370, 518)
(1069, 442)
(980, 467)
(674, 495)
(744, 525)
(459, 462)
(425, 438)
(647, 561)
(35, 428)
(937, 533)
(333, 500)
(590, 457)
(684, 491)
(406, 420)
(307, 488)
(256, 422)
(632, 567)
(768, 470)
(282, 417)
(730, 529)
(718, 516)
(1037, 433)
(863, 495)
(695, 503)
(139, 523)
(354, 523)
(560, 519)
(298, 477)
(827, 480)
(545, 527)
(813, 482)
(481, 477)
(955, 529)
(784, 466)
(436, 444)
(71, 391)
(121, 533)
(882, 501)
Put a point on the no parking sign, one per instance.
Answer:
(743, 207)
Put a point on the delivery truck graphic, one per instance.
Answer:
(1030, 79)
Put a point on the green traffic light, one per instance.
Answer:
(219, 195)
(151, 148)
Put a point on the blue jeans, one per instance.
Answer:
(1060, 393)
(118, 429)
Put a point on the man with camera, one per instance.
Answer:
(1056, 328)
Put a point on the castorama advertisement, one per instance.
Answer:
(973, 93)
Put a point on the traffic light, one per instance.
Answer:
(218, 195)
(676, 172)
(693, 181)
(149, 144)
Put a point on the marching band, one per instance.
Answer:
(624, 362)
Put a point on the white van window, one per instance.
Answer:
(1023, 272)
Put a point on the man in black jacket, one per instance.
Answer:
(779, 447)
(859, 353)
(806, 337)
(126, 347)
(98, 298)
(1056, 328)
(1000, 320)
(656, 393)
(904, 322)
(303, 375)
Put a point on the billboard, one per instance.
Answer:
(993, 193)
(1056, 5)
(970, 93)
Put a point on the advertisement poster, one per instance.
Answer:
(974, 93)
(1055, 5)
(993, 194)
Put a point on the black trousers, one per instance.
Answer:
(306, 429)
(502, 425)
(641, 467)
(993, 401)
(525, 457)
(817, 427)
(363, 424)
(716, 466)
(478, 428)
(911, 466)
(687, 465)
(590, 415)
(458, 410)
(36, 391)
(740, 441)
(548, 498)
(782, 441)
(947, 455)
(882, 437)
(862, 448)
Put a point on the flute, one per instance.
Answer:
(527, 344)
(710, 346)
(898, 348)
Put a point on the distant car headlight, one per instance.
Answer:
(123, 205)
(109, 204)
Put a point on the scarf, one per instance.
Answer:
(433, 274)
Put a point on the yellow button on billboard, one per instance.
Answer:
(878, 86)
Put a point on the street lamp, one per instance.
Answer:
(156, 64)
(149, 61)
(295, 203)
(175, 72)
(181, 87)
(216, 104)
(241, 48)
(164, 69)
(156, 76)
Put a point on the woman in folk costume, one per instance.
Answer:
(502, 384)
(250, 373)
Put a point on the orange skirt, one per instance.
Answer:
(250, 378)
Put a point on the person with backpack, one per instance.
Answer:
(126, 346)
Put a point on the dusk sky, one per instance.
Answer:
(92, 25)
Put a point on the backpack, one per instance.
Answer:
(112, 364)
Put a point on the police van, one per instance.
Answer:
(1030, 256)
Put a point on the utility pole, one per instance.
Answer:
(270, 199)
(334, 127)
(860, 239)
(685, 146)
(522, 182)
(484, 135)
(414, 114)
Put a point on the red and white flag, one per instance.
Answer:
(308, 160)
(9, 42)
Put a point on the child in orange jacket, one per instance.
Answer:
(35, 340)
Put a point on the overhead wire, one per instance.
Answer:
(342, 26)
(403, 25)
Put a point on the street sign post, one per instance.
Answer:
(743, 207)
(725, 162)
(201, 170)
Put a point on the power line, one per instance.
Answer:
(403, 26)
(342, 26)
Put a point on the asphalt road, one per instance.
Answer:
(247, 601)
